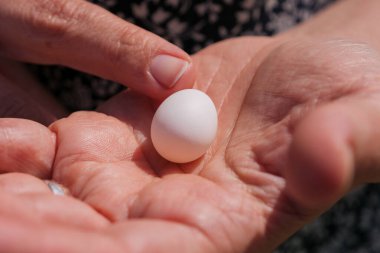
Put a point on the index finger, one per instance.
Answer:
(86, 37)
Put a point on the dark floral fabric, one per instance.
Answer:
(191, 24)
(353, 224)
(350, 226)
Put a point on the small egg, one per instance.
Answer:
(184, 126)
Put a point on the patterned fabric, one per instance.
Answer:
(194, 24)
(353, 224)
(350, 226)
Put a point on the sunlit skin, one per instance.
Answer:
(289, 145)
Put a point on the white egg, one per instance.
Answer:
(184, 126)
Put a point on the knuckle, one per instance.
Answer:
(131, 46)
(53, 19)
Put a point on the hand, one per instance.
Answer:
(81, 35)
(297, 131)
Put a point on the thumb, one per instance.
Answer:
(334, 149)
(86, 37)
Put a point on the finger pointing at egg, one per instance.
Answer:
(84, 36)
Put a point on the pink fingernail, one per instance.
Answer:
(167, 70)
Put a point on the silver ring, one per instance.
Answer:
(55, 188)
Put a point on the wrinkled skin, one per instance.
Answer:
(289, 145)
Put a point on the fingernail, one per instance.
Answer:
(167, 70)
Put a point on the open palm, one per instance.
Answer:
(281, 157)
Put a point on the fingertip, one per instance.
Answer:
(167, 70)
(321, 160)
(188, 77)
(171, 74)
(28, 147)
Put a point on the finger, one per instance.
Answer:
(86, 37)
(26, 147)
(99, 158)
(20, 183)
(51, 209)
(15, 103)
(28, 236)
(334, 149)
(28, 198)
(135, 236)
